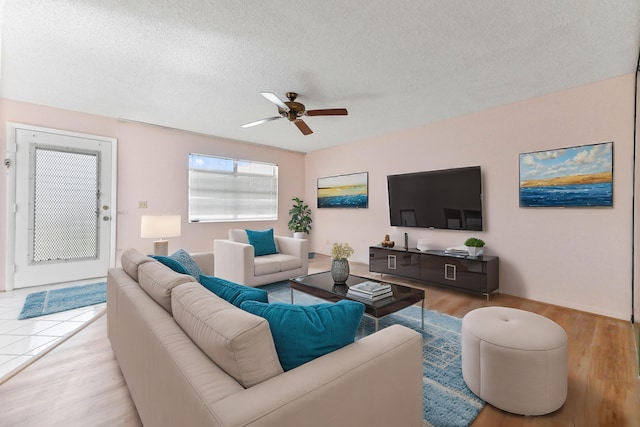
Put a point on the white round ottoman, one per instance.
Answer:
(515, 360)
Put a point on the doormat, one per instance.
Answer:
(56, 300)
(447, 399)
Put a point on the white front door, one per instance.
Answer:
(63, 210)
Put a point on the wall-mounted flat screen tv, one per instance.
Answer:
(444, 199)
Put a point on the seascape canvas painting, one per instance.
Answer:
(344, 191)
(568, 177)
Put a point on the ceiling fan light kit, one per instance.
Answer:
(294, 111)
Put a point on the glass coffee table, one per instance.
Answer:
(321, 285)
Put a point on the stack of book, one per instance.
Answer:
(370, 291)
(457, 250)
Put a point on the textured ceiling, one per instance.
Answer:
(201, 65)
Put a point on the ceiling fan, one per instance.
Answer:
(294, 111)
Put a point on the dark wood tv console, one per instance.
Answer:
(472, 274)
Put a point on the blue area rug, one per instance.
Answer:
(56, 300)
(448, 402)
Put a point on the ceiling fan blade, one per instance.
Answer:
(328, 112)
(261, 121)
(306, 130)
(271, 97)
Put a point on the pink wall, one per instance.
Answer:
(152, 166)
(579, 258)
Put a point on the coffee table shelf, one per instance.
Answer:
(321, 285)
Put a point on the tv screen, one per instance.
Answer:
(445, 199)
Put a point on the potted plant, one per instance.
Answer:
(300, 221)
(474, 246)
(340, 253)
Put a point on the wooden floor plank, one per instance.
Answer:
(79, 382)
(603, 386)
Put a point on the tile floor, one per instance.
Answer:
(24, 341)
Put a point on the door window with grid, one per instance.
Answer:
(64, 205)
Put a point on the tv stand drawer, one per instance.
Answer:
(396, 262)
(460, 273)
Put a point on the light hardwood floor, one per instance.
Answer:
(79, 382)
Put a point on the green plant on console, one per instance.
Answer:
(300, 221)
(474, 242)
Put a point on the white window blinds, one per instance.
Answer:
(222, 189)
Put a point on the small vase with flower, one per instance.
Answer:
(340, 253)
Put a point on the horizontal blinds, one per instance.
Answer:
(231, 190)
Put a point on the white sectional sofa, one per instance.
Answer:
(190, 358)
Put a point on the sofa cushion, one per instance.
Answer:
(180, 262)
(265, 265)
(238, 342)
(158, 281)
(232, 292)
(288, 262)
(275, 263)
(131, 260)
(238, 235)
(303, 333)
(262, 241)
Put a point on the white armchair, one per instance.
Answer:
(235, 261)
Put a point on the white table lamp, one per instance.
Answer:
(160, 226)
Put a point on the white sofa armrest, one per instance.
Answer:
(291, 246)
(205, 262)
(233, 260)
(374, 382)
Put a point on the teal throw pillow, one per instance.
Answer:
(262, 241)
(304, 332)
(180, 262)
(231, 292)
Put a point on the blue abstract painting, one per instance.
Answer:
(344, 191)
(568, 177)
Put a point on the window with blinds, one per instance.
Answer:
(222, 190)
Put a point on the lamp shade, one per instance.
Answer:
(161, 226)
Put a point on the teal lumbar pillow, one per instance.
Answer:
(180, 262)
(302, 333)
(232, 292)
(262, 241)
